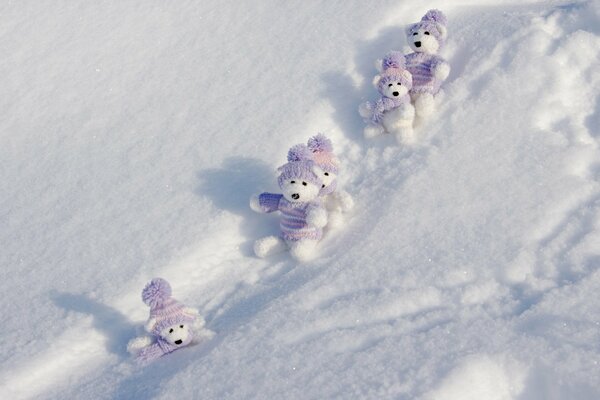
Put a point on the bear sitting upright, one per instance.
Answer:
(303, 215)
(393, 112)
(428, 69)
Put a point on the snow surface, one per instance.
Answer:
(134, 132)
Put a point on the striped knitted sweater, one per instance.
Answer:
(421, 66)
(293, 216)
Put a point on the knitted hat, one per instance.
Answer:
(434, 21)
(166, 310)
(322, 153)
(299, 170)
(299, 152)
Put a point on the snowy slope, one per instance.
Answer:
(133, 133)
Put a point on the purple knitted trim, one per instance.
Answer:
(406, 80)
(269, 202)
(386, 104)
(421, 65)
(301, 170)
(293, 220)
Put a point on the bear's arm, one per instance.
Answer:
(269, 202)
(149, 354)
(440, 69)
(316, 215)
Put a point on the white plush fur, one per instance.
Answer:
(203, 334)
(429, 43)
(303, 250)
(136, 344)
(398, 120)
(394, 90)
(371, 131)
(149, 325)
(442, 30)
(174, 333)
(268, 246)
(442, 71)
(255, 204)
(317, 218)
(343, 200)
(424, 104)
(306, 191)
(192, 311)
(364, 110)
(327, 178)
(376, 80)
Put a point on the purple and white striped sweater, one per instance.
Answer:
(421, 66)
(293, 216)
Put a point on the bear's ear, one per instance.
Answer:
(316, 170)
(442, 30)
(376, 80)
(150, 324)
(407, 75)
(379, 65)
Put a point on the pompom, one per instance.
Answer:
(156, 292)
(299, 152)
(320, 143)
(435, 16)
(394, 59)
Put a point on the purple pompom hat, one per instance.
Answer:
(434, 21)
(165, 309)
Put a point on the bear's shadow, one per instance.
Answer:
(230, 188)
(110, 322)
(343, 93)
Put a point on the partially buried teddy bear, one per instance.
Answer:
(171, 324)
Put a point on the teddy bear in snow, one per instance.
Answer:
(393, 112)
(171, 324)
(303, 215)
(428, 69)
(320, 150)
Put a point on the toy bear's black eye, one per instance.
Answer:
(303, 183)
(415, 34)
(171, 330)
(390, 85)
(292, 181)
(399, 84)
(427, 33)
(326, 173)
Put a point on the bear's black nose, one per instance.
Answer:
(395, 93)
(418, 44)
(178, 341)
(295, 196)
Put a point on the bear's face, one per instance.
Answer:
(425, 37)
(392, 88)
(179, 335)
(299, 190)
(327, 178)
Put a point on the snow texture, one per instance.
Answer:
(133, 133)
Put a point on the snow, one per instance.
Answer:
(134, 133)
